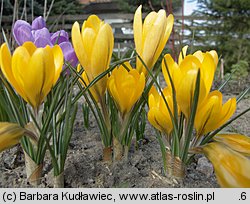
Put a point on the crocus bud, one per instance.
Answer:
(93, 45)
(151, 36)
(126, 87)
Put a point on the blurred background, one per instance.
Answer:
(223, 25)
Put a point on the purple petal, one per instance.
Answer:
(59, 37)
(69, 53)
(38, 23)
(22, 32)
(44, 32)
(42, 42)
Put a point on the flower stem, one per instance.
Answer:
(117, 149)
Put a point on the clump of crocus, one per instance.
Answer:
(125, 85)
(93, 44)
(187, 104)
(41, 37)
(151, 36)
(32, 71)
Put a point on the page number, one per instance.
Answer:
(243, 196)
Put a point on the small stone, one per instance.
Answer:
(205, 167)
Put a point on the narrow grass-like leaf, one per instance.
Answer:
(163, 150)
(226, 81)
(242, 94)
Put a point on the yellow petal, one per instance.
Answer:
(89, 37)
(173, 69)
(10, 134)
(207, 115)
(199, 55)
(137, 27)
(102, 50)
(49, 69)
(101, 56)
(228, 110)
(20, 62)
(160, 120)
(30, 47)
(6, 67)
(153, 97)
(207, 71)
(113, 91)
(78, 44)
(58, 61)
(127, 65)
(231, 168)
(215, 57)
(35, 77)
(169, 22)
(185, 92)
(237, 142)
(152, 120)
(93, 22)
(186, 87)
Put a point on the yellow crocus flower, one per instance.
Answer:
(151, 36)
(212, 114)
(158, 114)
(184, 75)
(231, 168)
(237, 142)
(32, 71)
(94, 46)
(10, 134)
(126, 87)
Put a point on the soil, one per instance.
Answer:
(85, 168)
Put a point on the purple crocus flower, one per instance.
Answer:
(41, 37)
